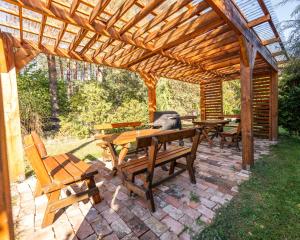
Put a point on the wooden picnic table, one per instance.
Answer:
(124, 140)
(209, 125)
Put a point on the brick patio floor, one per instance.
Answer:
(182, 208)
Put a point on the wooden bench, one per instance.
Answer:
(109, 126)
(234, 134)
(155, 158)
(55, 173)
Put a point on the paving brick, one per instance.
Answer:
(43, 234)
(141, 212)
(137, 226)
(207, 203)
(110, 215)
(92, 214)
(101, 227)
(130, 236)
(173, 225)
(112, 236)
(84, 230)
(169, 236)
(120, 228)
(173, 212)
(156, 226)
(206, 211)
(125, 214)
(149, 236)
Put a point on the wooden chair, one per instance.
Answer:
(234, 134)
(109, 126)
(155, 158)
(55, 173)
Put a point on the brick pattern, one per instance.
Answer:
(182, 208)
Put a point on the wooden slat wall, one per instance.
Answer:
(213, 99)
(261, 106)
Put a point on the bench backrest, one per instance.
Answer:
(162, 138)
(35, 160)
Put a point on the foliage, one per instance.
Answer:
(289, 98)
(267, 206)
(179, 96)
(88, 106)
(231, 97)
(120, 97)
(293, 25)
(34, 99)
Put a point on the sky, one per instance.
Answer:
(284, 12)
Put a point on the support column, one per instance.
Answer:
(6, 222)
(248, 54)
(274, 106)
(11, 114)
(202, 102)
(150, 81)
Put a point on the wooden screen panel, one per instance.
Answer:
(261, 106)
(212, 100)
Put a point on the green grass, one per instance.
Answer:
(268, 205)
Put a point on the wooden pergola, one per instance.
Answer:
(201, 42)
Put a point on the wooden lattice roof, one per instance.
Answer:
(188, 40)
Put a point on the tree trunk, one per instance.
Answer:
(99, 74)
(69, 83)
(53, 87)
(84, 78)
(61, 69)
(76, 71)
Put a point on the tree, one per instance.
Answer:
(53, 87)
(289, 98)
(293, 25)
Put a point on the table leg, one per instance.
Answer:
(114, 157)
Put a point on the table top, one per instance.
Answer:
(129, 136)
(211, 122)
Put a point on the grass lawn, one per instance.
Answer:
(268, 205)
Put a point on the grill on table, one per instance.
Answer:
(167, 120)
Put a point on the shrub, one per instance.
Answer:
(289, 98)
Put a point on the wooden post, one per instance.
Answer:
(248, 54)
(274, 106)
(6, 222)
(150, 81)
(10, 100)
(202, 102)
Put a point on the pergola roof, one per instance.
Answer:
(188, 40)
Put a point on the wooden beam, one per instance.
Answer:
(9, 94)
(203, 24)
(161, 17)
(143, 13)
(23, 57)
(248, 55)
(6, 220)
(274, 106)
(270, 41)
(259, 21)
(150, 81)
(228, 11)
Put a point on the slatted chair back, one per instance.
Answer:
(39, 144)
(153, 142)
(36, 161)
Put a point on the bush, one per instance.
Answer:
(289, 98)
(34, 100)
(88, 106)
